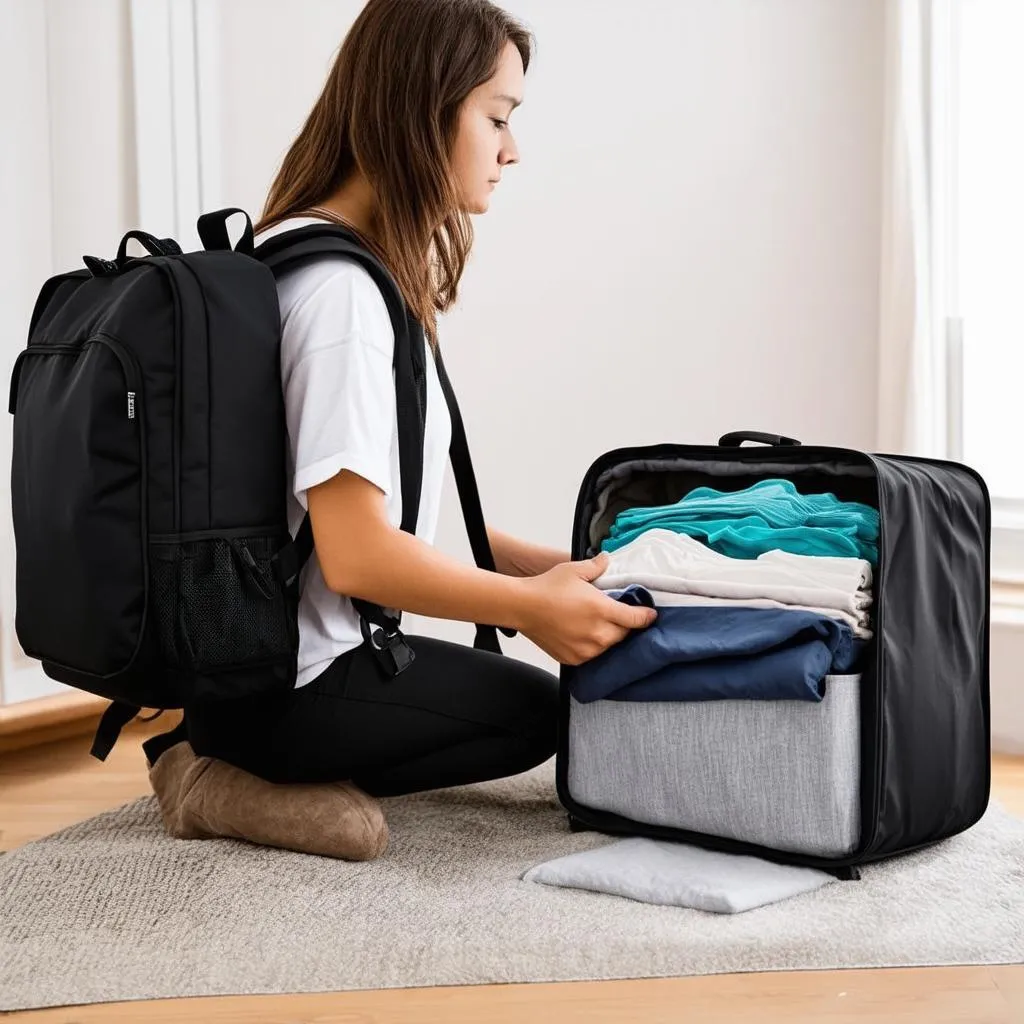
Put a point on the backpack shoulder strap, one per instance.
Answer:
(469, 498)
(292, 249)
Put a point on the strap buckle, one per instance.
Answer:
(392, 650)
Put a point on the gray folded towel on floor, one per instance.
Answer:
(679, 875)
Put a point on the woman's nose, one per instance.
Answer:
(509, 153)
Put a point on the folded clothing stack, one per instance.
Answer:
(760, 593)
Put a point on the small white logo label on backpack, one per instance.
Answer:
(131, 405)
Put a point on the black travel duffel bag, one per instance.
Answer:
(892, 759)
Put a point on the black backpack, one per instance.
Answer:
(154, 566)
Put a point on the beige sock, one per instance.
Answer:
(205, 798)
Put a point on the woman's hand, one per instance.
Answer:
(568, 618)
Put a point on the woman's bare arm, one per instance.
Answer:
(516, 557)
(362, 555)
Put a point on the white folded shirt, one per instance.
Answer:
(857, 623)
(679, 875)
(675, 563)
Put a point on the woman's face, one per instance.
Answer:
(483, 142)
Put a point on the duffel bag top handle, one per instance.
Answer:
(737, 437)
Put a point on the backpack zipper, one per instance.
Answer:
(127, 366)
(176, 429)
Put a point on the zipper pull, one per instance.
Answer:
(252, 569)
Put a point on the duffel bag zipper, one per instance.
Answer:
(877, 608)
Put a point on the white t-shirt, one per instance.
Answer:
(337, 348)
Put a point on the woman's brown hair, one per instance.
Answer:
(390, 107)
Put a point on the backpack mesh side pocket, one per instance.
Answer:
(218, 604)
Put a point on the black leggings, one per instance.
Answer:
(455, 715)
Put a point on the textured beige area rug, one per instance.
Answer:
(113, 909)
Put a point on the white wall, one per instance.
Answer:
(689, 246)
(92, 135)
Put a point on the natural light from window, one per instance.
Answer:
(990, 249)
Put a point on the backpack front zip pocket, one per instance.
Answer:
(79, 506)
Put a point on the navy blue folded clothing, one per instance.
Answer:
(716, 653)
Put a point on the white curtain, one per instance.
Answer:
(26, 259)
(914, 411)
(26, 256)
(67, 187)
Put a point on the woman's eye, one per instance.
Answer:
(500, 125)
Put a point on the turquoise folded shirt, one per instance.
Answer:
(771, 515)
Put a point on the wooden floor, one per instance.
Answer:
(48, 787)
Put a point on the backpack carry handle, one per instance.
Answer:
(213, 231)
(154, 246)
(737, 437)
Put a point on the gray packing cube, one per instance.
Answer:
(779, 773)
